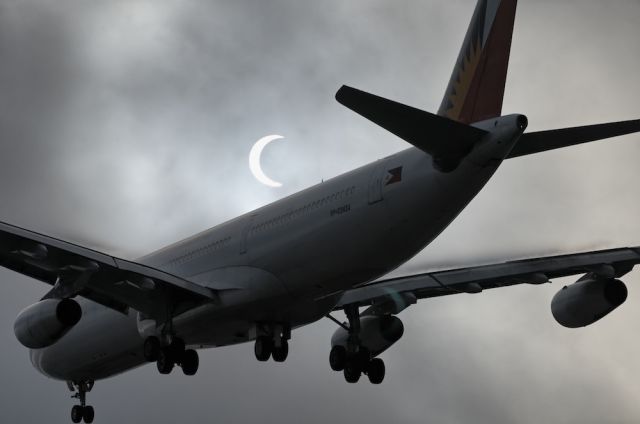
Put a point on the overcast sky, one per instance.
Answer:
(126, 125)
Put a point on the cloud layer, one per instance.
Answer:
(127, 125)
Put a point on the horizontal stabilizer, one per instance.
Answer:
(555, 139)
(446, 140)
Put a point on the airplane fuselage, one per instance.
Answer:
(291, 260)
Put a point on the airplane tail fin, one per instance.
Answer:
(476, 88)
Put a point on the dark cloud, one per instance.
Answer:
(127, 125)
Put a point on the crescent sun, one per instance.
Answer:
(254, 160)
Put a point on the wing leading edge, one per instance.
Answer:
(75, 270)
(395, 294)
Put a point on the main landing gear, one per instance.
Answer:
(355, 359)
(356, 363)
(273, 343)
(167, 357)
(82, 412)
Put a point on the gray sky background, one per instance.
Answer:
(126, 125)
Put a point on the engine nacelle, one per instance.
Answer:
(587, 300)
(377, 333)
(43, 323)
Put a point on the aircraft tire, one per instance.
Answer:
(337, 358)
(177, 347)
(280, 353)
(352, 372)
(190, 362)
(151, 349)
(165, 362)
(363, 357)
(376, 371)
(76, 413)
(263, 348)
(88, 414)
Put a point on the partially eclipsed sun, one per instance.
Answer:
(254, 160)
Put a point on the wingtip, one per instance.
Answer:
(340, 94)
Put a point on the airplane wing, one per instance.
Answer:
(395, 294)
(74, 270)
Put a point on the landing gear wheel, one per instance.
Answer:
(363, 357)
(281, 352)
(177, 347)
(76, 413)
(88, 414)
(337, 358)
(376, 370)
(151, 349)
(352, 372)
(165, 361)
(190, 362)
(263, 348)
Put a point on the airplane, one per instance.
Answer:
(327, 248)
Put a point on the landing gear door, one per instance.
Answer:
(376, 182)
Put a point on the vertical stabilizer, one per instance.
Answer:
(476, 88)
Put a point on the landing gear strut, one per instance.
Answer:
(167, 357)
(82, 412)
(355, 359)
(273, 343)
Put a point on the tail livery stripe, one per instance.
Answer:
(476, 88)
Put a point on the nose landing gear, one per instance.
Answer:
(82, 412)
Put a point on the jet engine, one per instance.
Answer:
(43, 323)
(587, 300)
(377, 333)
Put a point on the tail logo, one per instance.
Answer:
(470, 56)
(477, 83)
